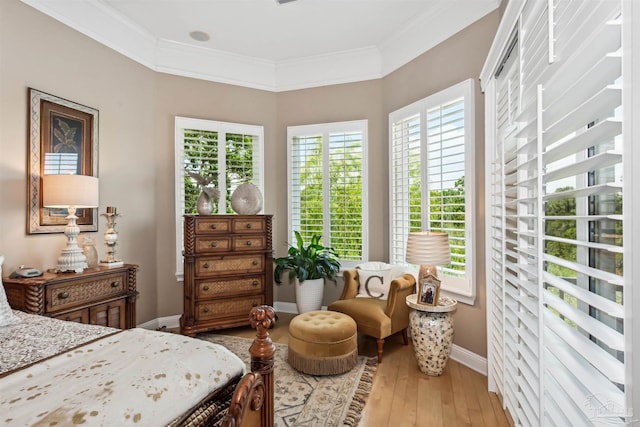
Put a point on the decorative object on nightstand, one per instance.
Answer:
(246, 199)
(70, 192)
(111, 238)
(432, 333)
(89, 250)
(428, 249)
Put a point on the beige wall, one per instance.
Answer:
(137, 107)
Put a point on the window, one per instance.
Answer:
(229, 153)
(327, 178)
(558, 288)
(431, 180)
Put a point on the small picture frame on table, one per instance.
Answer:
(429, 290)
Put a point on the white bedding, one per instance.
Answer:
(134, 377)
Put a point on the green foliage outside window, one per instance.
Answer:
(201, 156)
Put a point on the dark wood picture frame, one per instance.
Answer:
(63, 138)
(428, 290)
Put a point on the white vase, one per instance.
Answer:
(309, 295)
(204, 204)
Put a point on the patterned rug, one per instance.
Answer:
(306, 400)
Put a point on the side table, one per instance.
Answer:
(432, 333)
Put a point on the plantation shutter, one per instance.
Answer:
(327, 176)
(555, 271)
(445, 175)
(431, 154)
(405, 174)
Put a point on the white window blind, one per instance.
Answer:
(555, 265)
(229, 153)
(327, 177)
(431, 152)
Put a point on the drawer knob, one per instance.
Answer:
(206, 265)
(205, 288)
(255, 304)
(249, 225)
(206, 309)
(115, 284)
(255, 283)
(214, 226)
(248, 242)
(214, 244)
(255, 262)
(63, 295)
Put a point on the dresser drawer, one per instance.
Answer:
(69, 294)
(215, 288)
(231, 307)
(249, 225)
(249, 243)
(213, 224)
(206, 244)
(231, 264)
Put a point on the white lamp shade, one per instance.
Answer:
(62, 191)
(428, 248)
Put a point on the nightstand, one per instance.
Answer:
(432, 333)
(100, 295)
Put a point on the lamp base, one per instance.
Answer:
(426, 270)
(72, 258)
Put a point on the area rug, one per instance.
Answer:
(306, 400)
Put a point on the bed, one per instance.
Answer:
(54, 372)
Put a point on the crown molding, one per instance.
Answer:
(97, 21)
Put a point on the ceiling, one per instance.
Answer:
(267, 45)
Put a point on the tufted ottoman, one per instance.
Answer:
(323, 343)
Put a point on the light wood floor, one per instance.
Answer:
(403, 396)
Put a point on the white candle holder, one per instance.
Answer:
(111, 238)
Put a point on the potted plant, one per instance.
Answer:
(309, 265)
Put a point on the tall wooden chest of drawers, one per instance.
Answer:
(228, 269)
(100, 295)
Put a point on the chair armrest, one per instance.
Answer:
(401, 287)
(350, 289)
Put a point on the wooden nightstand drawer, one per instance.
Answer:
(66, 295)
(213, 244)
(249, 225)
(213, 224)
(213, 288)
(232, 264)
(249, 243)
(231, 307)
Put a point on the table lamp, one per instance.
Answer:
(70, 192)
(428, 249)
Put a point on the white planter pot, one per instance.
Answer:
(309, 295)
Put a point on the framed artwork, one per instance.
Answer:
(429, 290)
(63, 139)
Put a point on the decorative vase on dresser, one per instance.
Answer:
(228, 269)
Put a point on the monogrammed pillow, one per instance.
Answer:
(374, 283)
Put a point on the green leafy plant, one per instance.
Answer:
(313, 261)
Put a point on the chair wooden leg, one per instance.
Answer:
(380, 345)
(405, 337)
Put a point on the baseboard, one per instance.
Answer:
(469, 359)
(162, 322)
(459, 354)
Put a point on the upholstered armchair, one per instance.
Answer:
(375, 316)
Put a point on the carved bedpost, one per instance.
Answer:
(252, 402)
(262, 355)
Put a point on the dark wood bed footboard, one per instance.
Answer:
(252, 401)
